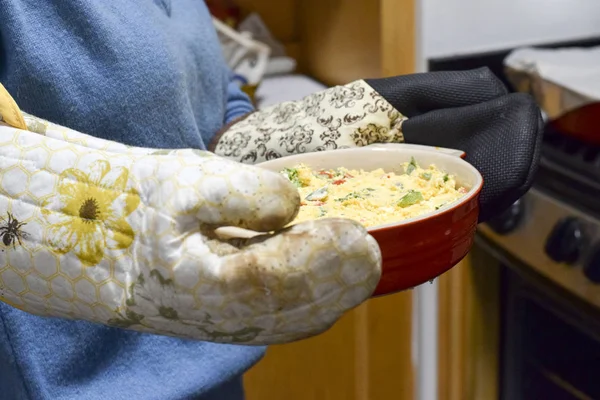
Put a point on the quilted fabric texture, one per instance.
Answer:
(471, 111)
(416, 94)
(339, 117)
(125, 239)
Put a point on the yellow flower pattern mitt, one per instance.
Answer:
(126, 238)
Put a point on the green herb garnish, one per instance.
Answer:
(352, 195)
(410, 198)
(322, 212)
(412, 165)
(426, 175)
(292, 175)
(446, 178)
(356, 195)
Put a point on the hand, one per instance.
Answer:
(339, 117)
(128, 240)
(471, 111)
(467, 110)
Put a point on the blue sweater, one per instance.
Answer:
(142, 72)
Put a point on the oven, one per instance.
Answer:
(548, 244)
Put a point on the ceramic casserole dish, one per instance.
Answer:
(419, 249)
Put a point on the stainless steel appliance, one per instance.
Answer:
(549, 242)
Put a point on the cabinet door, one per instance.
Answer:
(365, 356)
(469, 329)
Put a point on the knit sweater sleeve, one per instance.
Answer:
(238, 102)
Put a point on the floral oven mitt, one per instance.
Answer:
(124, 236)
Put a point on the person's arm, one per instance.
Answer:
(238, 108)
(238, 103)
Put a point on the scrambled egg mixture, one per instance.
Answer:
(372, 198)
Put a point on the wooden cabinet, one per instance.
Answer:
(337, 41)
(469, 329)
(367, 355)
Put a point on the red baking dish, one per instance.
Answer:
(419, 249)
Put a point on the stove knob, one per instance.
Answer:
(592, 266)
(565, 241)
(509, 220)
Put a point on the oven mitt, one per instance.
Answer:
(500, 133)
(127, 240)
(466, 110)
(336, 118)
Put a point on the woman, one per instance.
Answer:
(150, 74)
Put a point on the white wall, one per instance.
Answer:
(451, 27)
